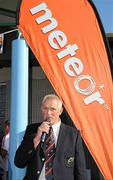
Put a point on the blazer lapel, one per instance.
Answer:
(61, 136)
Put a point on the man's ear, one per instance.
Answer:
(61, 110)
(42, 109)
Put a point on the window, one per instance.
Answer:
(2, 108)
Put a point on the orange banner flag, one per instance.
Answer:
(68, 43)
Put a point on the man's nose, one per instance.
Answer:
(49, 111)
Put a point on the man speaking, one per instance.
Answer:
(51, 150)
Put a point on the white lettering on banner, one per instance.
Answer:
(94, 97)
(89, 89)
(59, 36)
(70, 50)
(76, 64)
(73, 66)
(47, 16)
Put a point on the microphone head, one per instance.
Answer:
(48, 119)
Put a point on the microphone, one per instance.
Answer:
(43, 137)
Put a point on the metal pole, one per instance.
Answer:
(19, 103)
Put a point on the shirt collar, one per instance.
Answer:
(56, 126)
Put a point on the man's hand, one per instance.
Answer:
(44, 127)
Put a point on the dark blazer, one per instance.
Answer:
(69, 161)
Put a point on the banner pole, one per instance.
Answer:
(19, 103)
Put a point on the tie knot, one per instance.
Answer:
(51, 129)
(50, 137)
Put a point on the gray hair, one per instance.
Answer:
(52, 96)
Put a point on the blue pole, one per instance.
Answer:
(19, 103)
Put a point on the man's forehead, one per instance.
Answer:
(50, 102)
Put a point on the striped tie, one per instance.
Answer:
(49, 153)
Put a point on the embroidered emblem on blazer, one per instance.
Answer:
(69, 160)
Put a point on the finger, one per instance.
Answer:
(45, 124)
(44, 128)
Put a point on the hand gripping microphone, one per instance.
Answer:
(43, 137)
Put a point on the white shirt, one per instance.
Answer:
(5, 142)
(56, 128)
